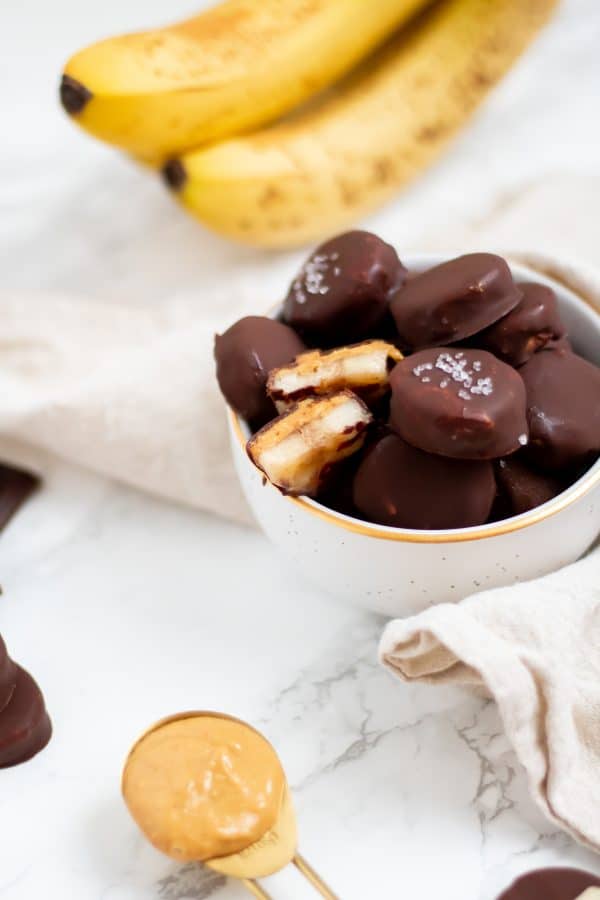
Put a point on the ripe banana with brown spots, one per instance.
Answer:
(231, 68)
(309, 175)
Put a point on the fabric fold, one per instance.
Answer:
(535, 649)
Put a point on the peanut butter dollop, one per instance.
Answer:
(203, 786)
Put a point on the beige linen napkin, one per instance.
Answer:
(535, 648)
(126, 391)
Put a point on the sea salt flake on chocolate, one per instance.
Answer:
(299, 295)
(483, 386)
(445, 363)
(455, 368)
(424, 367)
(314, 274)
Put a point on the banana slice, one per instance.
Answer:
(297, 449)
(363, 368)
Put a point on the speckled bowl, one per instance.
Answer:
(399, 571)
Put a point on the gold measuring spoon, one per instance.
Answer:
(207, 787)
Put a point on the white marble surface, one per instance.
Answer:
(127, 609)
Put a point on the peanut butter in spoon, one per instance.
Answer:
(203, 786)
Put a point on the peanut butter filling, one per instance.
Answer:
(203, 786)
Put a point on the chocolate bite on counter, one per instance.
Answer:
(341, 293)
(522, 487)
(245, 354)
(563, 409)
(551, 884)
(532, 324)
(454, 300)
(460, 403)
(25, 728)
(398, 485)
(8, 676)
(15, 488)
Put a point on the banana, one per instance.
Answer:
(230, 69)
(307, 176)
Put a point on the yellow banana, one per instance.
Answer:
(311, 174)
(232, 68)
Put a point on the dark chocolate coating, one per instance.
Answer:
(454, 300)
(337, 489)
(25, 728)
(404, 487)
(8, 676)
(245, 354)
(524, 488)
(551, 884)
(563, 344)
(15, 488)
(461, 403)
(341, 294)
(533, 322)
(563, 408)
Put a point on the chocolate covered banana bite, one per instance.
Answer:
(465, 404)
(341, 294)
(554, 884)
(530, 326)
(399, 485)
(245, 354)
(563, 409)
(25, 727)
(454, 300)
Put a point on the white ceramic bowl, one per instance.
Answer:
(400, 571)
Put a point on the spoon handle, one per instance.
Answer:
(256, 889)
(314, 878)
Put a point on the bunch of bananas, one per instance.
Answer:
(279, 121)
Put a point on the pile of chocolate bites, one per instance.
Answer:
(444, 399)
